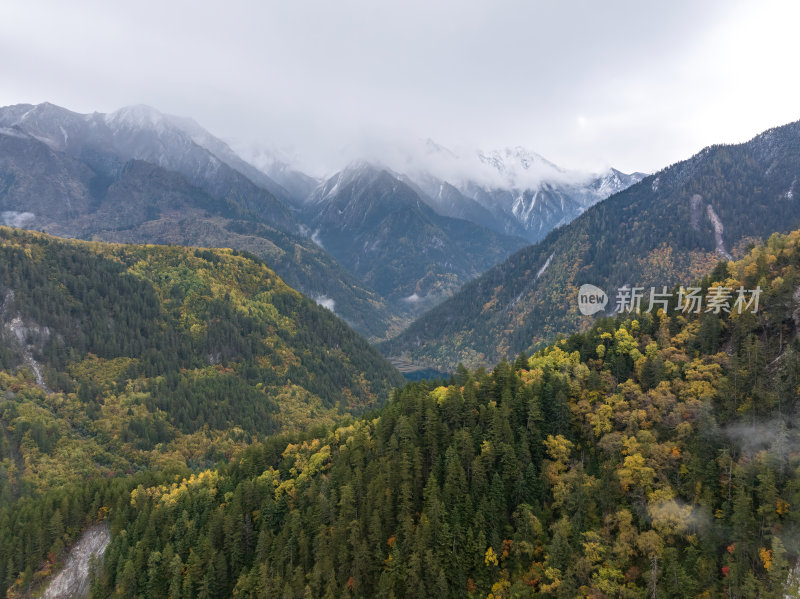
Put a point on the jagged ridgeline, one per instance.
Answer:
(668, 229)
(654, 455)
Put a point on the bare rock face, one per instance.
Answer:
(796, 310)
(792, 588)
(73, 580)
(26, 336)
(718, 231)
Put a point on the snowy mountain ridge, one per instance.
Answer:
(525, 193)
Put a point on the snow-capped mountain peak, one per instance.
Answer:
(359, 171)
(507, 159)
(51, 124)
(614, 181)
(512, 190)
(142, 133)
(519, 167)
(137, 116)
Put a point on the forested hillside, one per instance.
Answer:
(668, 229)
(139, 176)
(652, 455)
(119, 359)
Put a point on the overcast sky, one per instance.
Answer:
(637, 85)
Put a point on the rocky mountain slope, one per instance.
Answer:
(137, 175)
(665, 230)
(383, 231)
(514, 191)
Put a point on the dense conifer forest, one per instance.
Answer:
(653, 455)
(120, 360)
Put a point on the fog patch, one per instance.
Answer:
(326, 302)
(777, 437)
(12, 218)
(506, 168)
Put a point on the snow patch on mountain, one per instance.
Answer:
(141, 132)
(524, 193)
(518, 168)
(12, 132)
(360, 172)
(139, 116)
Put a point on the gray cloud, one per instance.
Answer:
(779, 438)
(586, 84)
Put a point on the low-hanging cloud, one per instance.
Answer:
(326, 302)
(587, 85)
(506, 168)
(778, 437)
